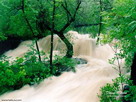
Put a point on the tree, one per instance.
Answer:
(30, 27)
(100, 24)
(53, 27)
(120, 24)
(89, 16)
(15, 23)
(38, 14)
(70, 19)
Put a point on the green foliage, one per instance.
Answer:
(2, 37)
(63, 64)
(120, 29)
(29, 70)
(120, 24)
(13, 22)
(90, 13)
(36, 11)
(20, 72)
(113, 92)
(11, 77)
(36, 71)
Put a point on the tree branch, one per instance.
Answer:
(86, 25)
(50, 29)
(100, 25)
(31, 29)
(67, 24)
(66, 9)
(72, 19)
(79, 3)
(28, 23)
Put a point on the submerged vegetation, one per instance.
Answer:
(110, 21)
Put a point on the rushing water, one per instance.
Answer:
(82, 86)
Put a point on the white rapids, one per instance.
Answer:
(81, 86)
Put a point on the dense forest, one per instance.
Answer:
(68, 50)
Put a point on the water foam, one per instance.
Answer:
(81, 86)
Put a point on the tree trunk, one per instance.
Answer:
(31, 29)
(100, 24)
(133, 70)
(68, 44)
(52, 37)
(38, 51)
(71, 19)
(133, 78)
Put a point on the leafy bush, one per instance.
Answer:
(20, 72)
(29, 70)
(114, 92)
(12, 77)
(63, 64)
(120, 24)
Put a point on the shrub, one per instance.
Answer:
(114, 92)
(62, 64)
(12, 77)
(29, 70)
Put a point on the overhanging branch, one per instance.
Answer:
(86, 25)
(66, 9)
(72, 18)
